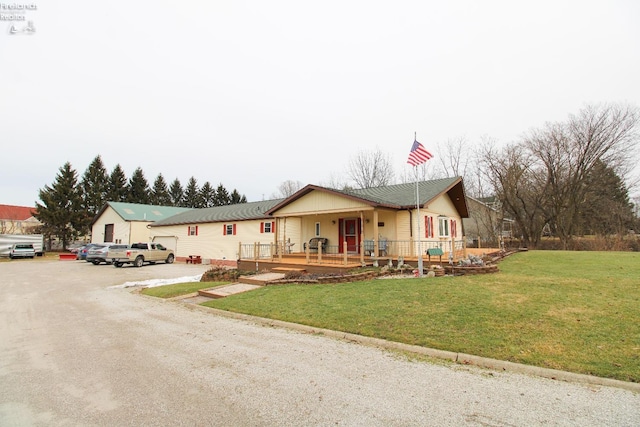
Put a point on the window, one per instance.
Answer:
(443, 223)
(229, 229)
(193, 230)
(267, 227)
(317, 229)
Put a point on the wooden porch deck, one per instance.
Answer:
(335, 263)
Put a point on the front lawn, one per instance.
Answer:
(573, 311)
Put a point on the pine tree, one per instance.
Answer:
(237, 198)
(94, 186)
(61, 209)
(207, 195)
(176, 193)
(138, 188)
(117, 187)
(222, 196)
(160, 194)
(192, 194)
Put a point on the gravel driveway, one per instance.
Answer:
(76, 352)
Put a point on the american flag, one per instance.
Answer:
(418, 154)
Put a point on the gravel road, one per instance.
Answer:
(76, 352)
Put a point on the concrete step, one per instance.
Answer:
(287, 269)
(225, 291)
(261, 279)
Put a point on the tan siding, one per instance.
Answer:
(291, 231)
(320, 202)
(120, 227)
(211, 243)
(443, 206)
(403, 225)
(140, 232)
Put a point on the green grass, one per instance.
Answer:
(573, 311)
(170, 291)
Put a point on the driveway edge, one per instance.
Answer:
(460, 358)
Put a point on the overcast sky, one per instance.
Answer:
(253, 93)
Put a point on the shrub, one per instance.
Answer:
(222, 274)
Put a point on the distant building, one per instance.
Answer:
(119, 222)
(18, 220)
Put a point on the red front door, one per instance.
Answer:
(350, 233)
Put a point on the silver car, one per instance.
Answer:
(98, 253)
(22, 250)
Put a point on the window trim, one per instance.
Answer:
(443, 226)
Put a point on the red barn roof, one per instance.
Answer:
(16, 213)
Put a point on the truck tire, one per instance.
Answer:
(170, 259)
(139, 261)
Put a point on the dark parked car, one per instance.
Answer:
(98, 254)
(82, 252)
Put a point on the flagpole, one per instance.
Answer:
(420, 263)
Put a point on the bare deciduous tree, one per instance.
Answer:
(287, 188)
(568, 152)
(546, 178)
(371, 169)
(512, 174)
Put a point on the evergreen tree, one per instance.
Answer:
(138, 188)
(94, 186)
(207, 195)
(606, 208)
(192, 194)
(160, 194)
(176, 193)
(222, 196)
(237, 198)
(117, 187)
(61, 209)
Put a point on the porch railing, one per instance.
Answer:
(332, 254)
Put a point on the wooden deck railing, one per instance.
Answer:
(453, 250)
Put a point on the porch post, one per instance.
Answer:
(376, 234)
(360, 245)
(464, 246)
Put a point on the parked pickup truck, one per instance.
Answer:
(141, 253)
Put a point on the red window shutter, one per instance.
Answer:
(273, 226)
(188, 230)
(234, 229)
(196, 230)
(433, 232)
(426, 226)
(262, 227)
(224, 229)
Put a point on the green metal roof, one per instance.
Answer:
(237, 212)
(139, 212)
(399, 196)
(404, 195)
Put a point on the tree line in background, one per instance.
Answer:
(69, 205)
